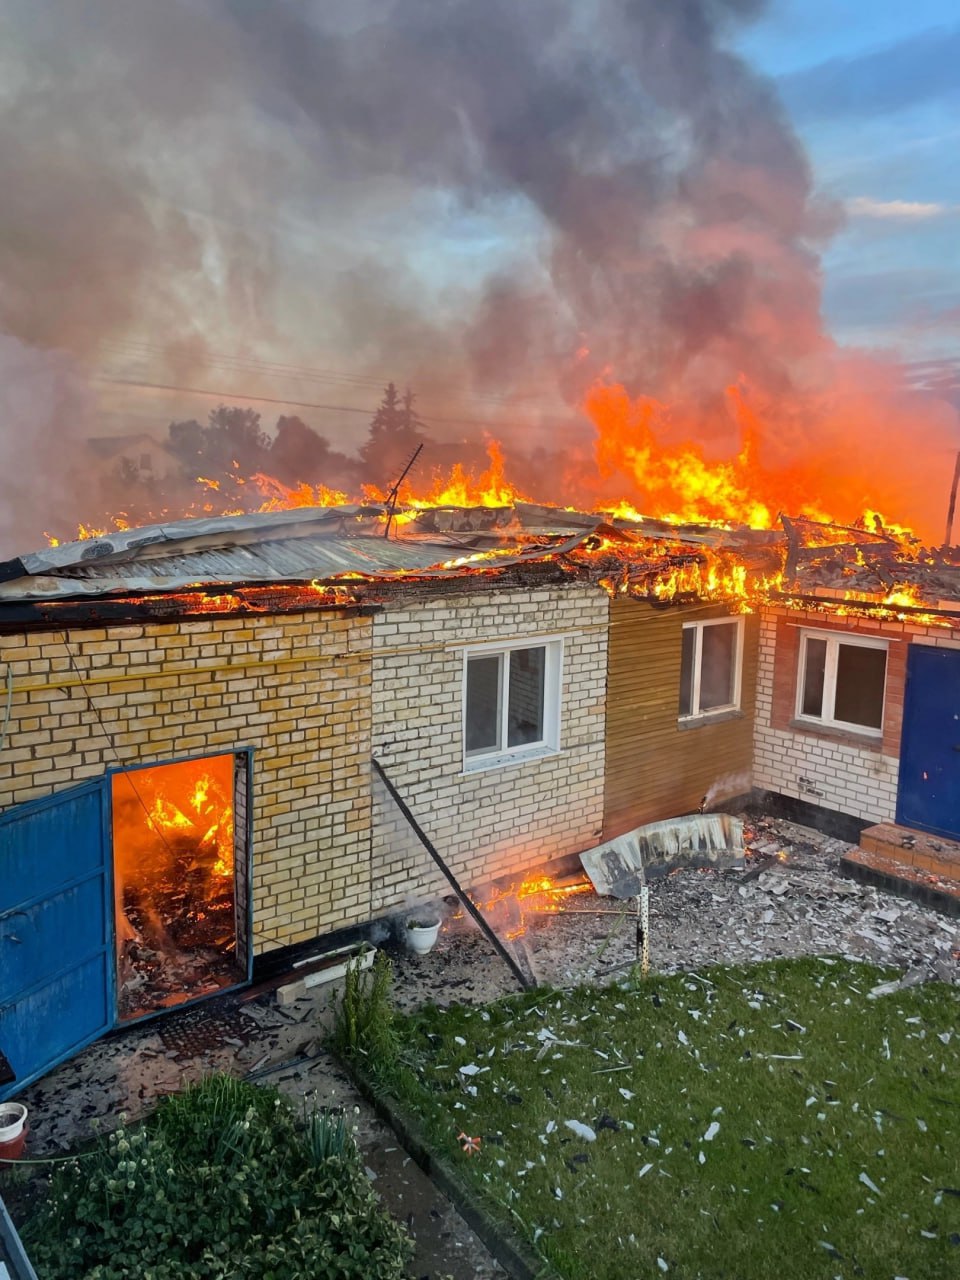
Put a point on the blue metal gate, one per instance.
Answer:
(929, 792)
(56, 930)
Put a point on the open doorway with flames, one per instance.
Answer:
(181, 875)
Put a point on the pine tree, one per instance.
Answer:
(395, 432)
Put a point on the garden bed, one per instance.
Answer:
(224, 1180)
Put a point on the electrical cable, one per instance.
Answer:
(6, 714)
(432, 420)
(132, 348)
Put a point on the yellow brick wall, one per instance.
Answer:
(295, 688)
(509, 818)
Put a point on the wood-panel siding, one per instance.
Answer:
(654, 767)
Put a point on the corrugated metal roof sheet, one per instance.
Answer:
(174, 565)
(190, 533)
(331, 544)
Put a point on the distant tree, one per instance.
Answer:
(301, 454)
(298, 452)
(234, 436)
(231, 435)
(395, 431)
(186, 440)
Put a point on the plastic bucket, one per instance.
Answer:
(13, 1132)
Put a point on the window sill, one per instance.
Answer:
(869, 741)
(710, 717)
(506, 759)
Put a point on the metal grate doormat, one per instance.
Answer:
(190, 1035)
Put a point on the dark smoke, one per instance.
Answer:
(677, 203)
(271, 179)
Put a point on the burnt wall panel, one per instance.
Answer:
(657, 767)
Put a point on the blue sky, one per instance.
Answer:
(874, 92)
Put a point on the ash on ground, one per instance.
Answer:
(789, 900)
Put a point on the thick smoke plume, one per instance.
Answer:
(499, 204)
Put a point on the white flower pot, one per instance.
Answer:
(420, 938)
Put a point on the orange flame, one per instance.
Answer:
(531, 896)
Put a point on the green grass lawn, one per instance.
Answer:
(755, 1123)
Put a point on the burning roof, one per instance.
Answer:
(346, 555)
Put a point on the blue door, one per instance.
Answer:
(929, 794)
(56, 928)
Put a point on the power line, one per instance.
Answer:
(298, 404)
(274, 368)
(228, 395)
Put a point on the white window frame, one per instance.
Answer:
(834, 639)
(698, 628)
(549, 744)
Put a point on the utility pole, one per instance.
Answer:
(951, 509)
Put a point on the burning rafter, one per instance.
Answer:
(337, 557)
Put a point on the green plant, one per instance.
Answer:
(423, 922)
(220, 1184)
(364, 1027)
(326, 1135)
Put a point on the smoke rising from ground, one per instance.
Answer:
(478, 200)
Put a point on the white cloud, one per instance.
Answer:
(900, 210)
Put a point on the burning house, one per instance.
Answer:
(189, 714)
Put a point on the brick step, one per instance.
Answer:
(892, 870)
(935, 854)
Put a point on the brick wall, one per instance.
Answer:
(295, 688)
(502, 819)
(836, 770)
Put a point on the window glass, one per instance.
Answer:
(860, 675)
(483, 703)
(686, 670)
(525, 700)
(717, 666)
(813, 675)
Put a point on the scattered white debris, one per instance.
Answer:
(581, 1130)
(645, 1170)
(869, 1184)
(712, 1132)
